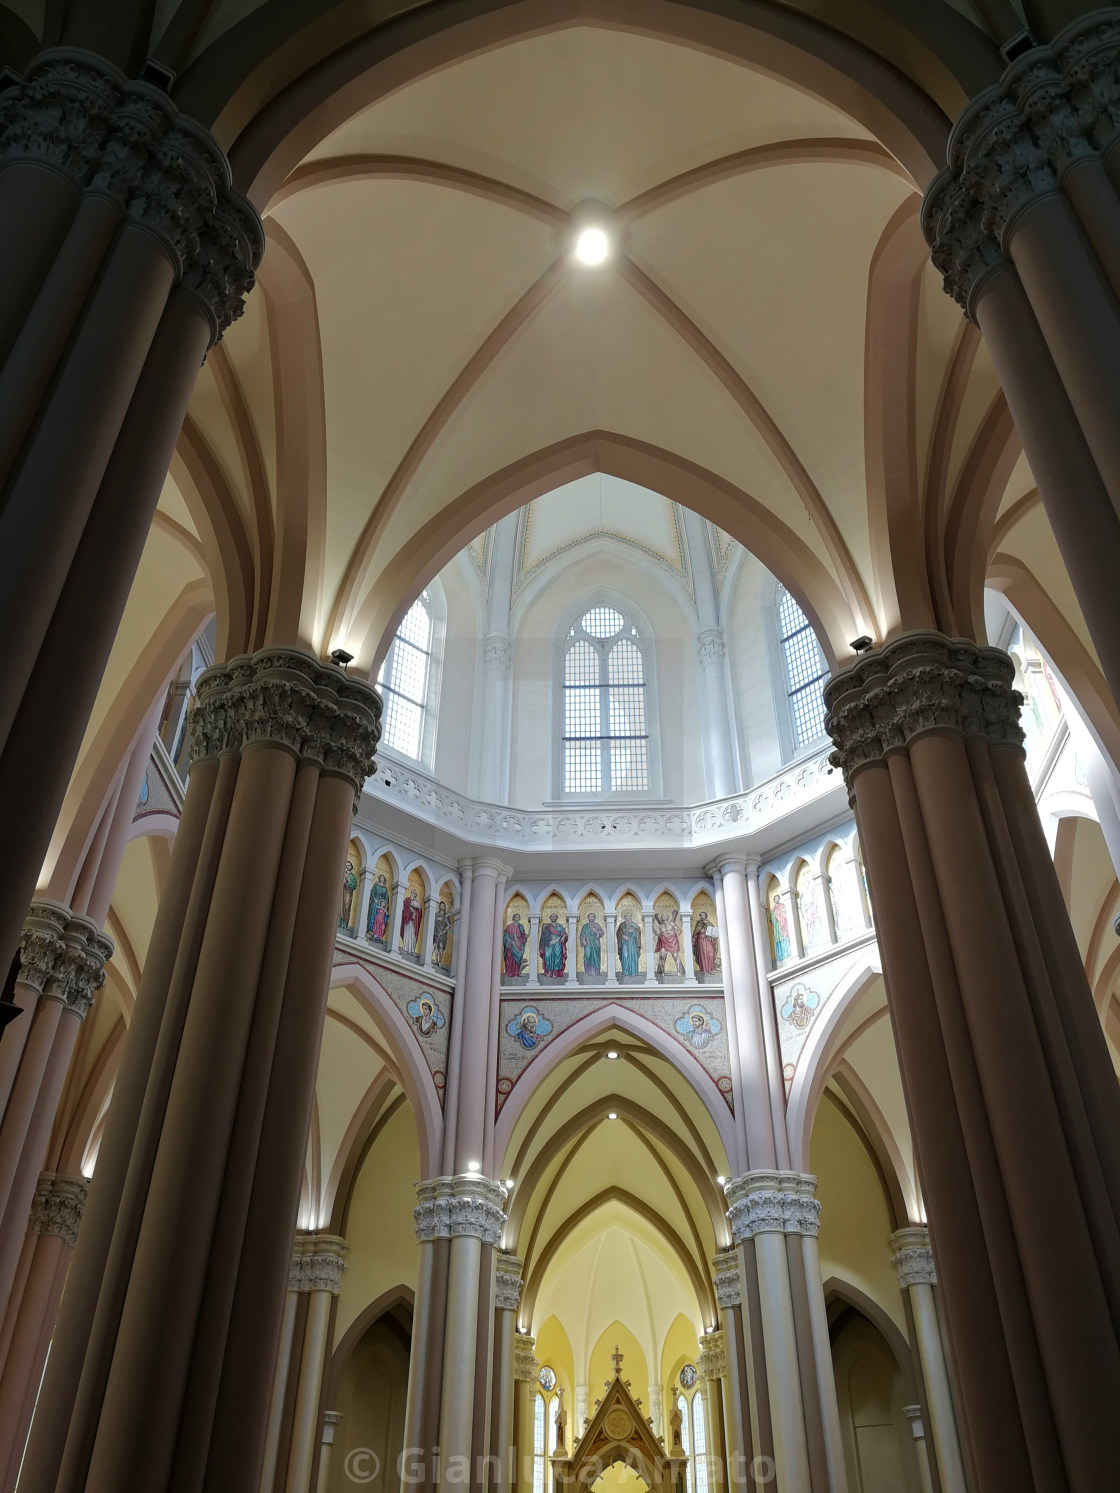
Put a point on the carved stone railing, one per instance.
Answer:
(706, 824)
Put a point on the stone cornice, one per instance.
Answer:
(76, 114)
(772, 1203)
(1054, 107)
(56, 1208)
(318, 1261)
(288, 698)
(912, 1257)
(921, 682)
(62, 955)
(455, 1207)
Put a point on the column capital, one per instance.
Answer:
(711, 1363)
(772, 1203)
(725, 1279)
(507, 1281)
(919, 683)
(318, 1261)
(912, 1257)
(726, 863)
(913, 1414)
(711, 647)
(525, 1366)
(57, 1207)
(489, 865)
(455, 1207)
(126, 139)
(284, 697)
(497, 651)
(62, 955)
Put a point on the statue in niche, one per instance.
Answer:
(377, 923)
(779, 920)
(705, 944)
(553, 945)
(349, 887)
(667, 944)
(411, 915)
(514, 938)
(629, 940)
(591, 942)
(441, 927)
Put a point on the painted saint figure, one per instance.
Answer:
(553, 945)
(426, 1014)
(377, 923)
(441, 927)
(705, 944)
(411, 915)
(528, 1027)
(780, 922)
(667, 944)
(591, 942)
(629, 940)
(514, 938)
(349, 887)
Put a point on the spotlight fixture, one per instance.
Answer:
(721, 1181)
(861, 644)
(612, 1115)
(612, 1055)
(509, 1184)
(593, 245)
(340, 657)
(474, 1166)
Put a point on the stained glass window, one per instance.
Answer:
(547, 1379)
(403, 681)
(806, 670)
(688, 1376)
(699, 1445)
(606, 734)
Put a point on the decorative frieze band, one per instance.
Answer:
(125, 139)
(280, 695)
(56, 1208)
(454, 1207)
(318, 1261)
(1055, 106)
(912, 1257)
(725, 1279)
(772, 1203)
(507, 1282)
(920, 682)
(62, 955)
(525, 1366)
(711, 1362)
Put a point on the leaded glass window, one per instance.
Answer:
(606, 730)
(403, 681)
(805, 668)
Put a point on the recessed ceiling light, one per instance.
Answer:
(721, 1181)
(593, 246)
(612, 1054)
(474, 1166)
(612, 1115)
(509, 1184)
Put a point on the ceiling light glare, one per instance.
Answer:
(509, 1184)
(612, 1115)
(612, 1055)
(474, 1166)
(721, 1181)
(593, 246)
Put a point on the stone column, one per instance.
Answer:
(123, 254)
(497, 656)
(913, 1414)
(651, 962)
(525, 1371)
(425, 1362)
(317, 1266)
(175, 1302)
(744, 1436)
(655, 1407)
(396, 907)
(573, 945)
(1013, 1105)
(532, 951)
(912, 1257)
(332, 1419)
(686, 936)
(427, 932)
(714, 699)
(52, 1230)
(711, 1366)
(612, 950)
(583, 1404)
(280, 1389)
(474, 1014)
(507, 1296)
(62, 967)
(802, 1232)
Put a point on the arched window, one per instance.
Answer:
(694, 1429)
(606, 729)
(805, 670)
(409, 683)
(546, 1407)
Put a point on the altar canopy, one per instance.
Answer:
(618, 1432)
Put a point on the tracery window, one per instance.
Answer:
(694, 1431)
(805, 670)
(406, 681)
(605, 730)
(546, 1407)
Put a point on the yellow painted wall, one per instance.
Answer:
(634, 1366)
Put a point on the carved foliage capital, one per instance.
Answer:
(507, 1282)
(525, 1366)
(912, 1257)
(287, 697)
(62, 955)
(918, 683)
(497, 651)
(455, 1207)
(725, 1279)
(712, 1360)
(772, 1203)
(318, 1261)
(711, 646)
(56, 1208)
